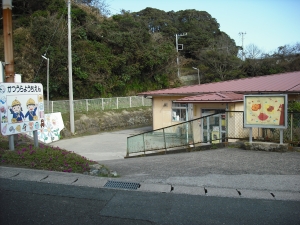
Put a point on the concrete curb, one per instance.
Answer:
(163, 188)
(99, 182)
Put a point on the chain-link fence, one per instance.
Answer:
(235, 127)
(85, 105)
(216, 128)
(290, 135)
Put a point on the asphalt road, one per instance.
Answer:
(220, 186)
(227, 167)
(27, 202)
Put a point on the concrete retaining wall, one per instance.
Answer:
(109, 121)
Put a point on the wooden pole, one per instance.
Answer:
(8, 41)
(8, 52)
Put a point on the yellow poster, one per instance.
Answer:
(215, 136)
(265, 110)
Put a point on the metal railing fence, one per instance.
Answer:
(181, 134)
(164, 138)
(85, 105)
(231, 128)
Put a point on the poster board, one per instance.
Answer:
(266, 111)
(50, 132)
(21, 107)
(215, 136)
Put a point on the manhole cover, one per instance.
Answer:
(123, 185)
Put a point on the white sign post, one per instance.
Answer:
(21, 109)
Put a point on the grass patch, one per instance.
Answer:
(44, 157)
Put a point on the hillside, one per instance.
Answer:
(130, 52)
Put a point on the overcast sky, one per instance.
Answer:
(267, 24)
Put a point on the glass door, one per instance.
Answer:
(212, 126)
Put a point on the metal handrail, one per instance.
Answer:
(161, 139)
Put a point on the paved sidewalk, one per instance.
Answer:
(102, 146)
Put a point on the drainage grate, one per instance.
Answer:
(123, 185)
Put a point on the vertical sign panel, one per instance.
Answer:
(21, 107)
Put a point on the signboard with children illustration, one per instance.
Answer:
(21, 107)
(50, 132)
(267, 111)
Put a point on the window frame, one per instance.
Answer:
(182, 114)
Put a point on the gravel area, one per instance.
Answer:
(226, 161)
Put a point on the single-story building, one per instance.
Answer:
(176, 105)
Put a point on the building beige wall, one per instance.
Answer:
(162, 108)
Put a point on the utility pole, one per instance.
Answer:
(9, 61)
(8, 53)
(8, 42)
(72, 126)
(242, 34)
(44, 57)
(179, 35)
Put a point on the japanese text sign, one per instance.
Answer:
(21, 107)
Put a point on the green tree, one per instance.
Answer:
(129, 52)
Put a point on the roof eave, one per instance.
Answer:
(208, 101)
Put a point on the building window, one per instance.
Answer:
(179, 111)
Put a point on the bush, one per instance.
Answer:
(43, 157)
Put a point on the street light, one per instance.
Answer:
(47, 81)
(198, 73)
